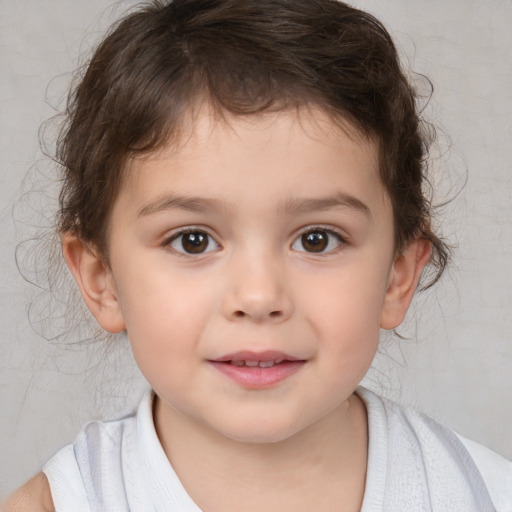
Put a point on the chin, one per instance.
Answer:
(259, 432)
(260, 438)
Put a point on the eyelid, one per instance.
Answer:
(323, 227)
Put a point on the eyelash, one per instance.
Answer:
(168, 242)
(323, 242)
(331, 234)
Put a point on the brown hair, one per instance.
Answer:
(244, 57)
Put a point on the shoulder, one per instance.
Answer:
(496, 472)
(97, 466)
(418, 451)
(34, 496)
(79, 472)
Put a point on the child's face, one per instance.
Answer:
(262, 239)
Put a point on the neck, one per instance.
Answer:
(325, 462)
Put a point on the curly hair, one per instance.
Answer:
(244, 58)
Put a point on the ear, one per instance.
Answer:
(403, 280)
(95, 281)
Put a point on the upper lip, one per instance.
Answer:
(248, 355)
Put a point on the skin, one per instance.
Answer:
(34, 496)
(258, 185)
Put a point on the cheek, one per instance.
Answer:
(345, 318)
(164, 315)
(350, 299)
(154, 289)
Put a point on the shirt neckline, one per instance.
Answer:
(166, 488)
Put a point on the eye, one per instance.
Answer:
(192, 242)
(317, 240)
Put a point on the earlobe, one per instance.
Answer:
(403, 280)
(95, 282)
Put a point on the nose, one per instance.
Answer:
(256, 291)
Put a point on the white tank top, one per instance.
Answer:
(414, 464)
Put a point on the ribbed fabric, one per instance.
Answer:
(414, 465)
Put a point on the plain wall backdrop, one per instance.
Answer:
(455, 361)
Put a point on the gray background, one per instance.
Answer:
(456, 363)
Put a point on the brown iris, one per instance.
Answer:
(315, 241)
(194, 242)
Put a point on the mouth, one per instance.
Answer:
(253, 364)
(258, 370)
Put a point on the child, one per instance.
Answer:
(243, 195)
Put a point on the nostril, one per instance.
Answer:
(242, 314)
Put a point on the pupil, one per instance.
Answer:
(195, 242)
(315, 241)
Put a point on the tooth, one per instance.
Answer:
(251, 363)
(237, 363)
(266, 364)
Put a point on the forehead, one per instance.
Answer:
(273, 156)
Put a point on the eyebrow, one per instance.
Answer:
(188, 203)
(293, 206)
(340, 200)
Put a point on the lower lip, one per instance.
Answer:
(257, 377)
